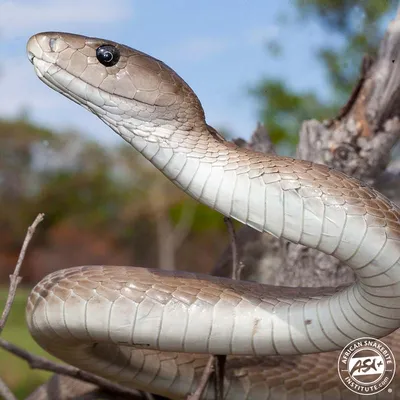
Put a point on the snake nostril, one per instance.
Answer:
(52, 43)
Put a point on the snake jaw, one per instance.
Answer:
(31, 56)
(33, 49)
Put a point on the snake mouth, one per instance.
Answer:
(47, 70)
(33, 48)
(30, 49)
(43, 54)
(40, 48)
(31, 56)
(133, 76)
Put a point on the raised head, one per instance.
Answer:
(132, 92)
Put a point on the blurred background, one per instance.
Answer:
(278, 62)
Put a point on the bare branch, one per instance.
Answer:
(15, 279)
(236, 266)
(37, 362)
(220, 362)
(216, 363)
(208, 371)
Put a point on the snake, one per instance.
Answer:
(154, 330)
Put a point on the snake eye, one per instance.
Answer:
(107, 55)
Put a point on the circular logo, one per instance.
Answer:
(366, 366)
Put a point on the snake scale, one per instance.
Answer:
(152, 329)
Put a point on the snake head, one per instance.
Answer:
(127, 89)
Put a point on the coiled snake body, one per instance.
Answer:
(153, 330)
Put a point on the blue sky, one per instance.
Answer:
(218, 47)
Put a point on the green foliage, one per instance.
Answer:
(20, 145)
(359, 27)
(90, 197)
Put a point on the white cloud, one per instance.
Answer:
(30, 16)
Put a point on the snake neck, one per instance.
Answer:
(176, 151)
(298, 201)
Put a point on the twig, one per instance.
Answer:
(236, 267)
(219, 360)
(217, 363)
(208, 371)
(15, 279)
(236, 270)
(219, 376)
(37, 362)
(5, 392)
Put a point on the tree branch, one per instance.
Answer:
(216, 363)
(236, 266)
(220, 362)
(208, 371)
(37, 362)
(15, 279)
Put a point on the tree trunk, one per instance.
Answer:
(358, 142)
